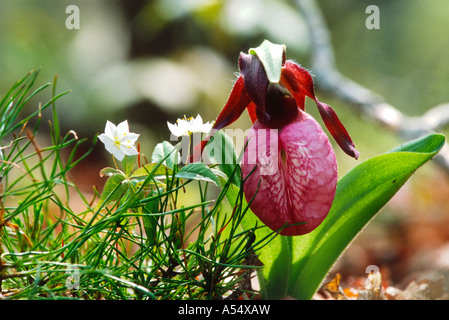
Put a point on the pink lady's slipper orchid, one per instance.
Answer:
(297, 195)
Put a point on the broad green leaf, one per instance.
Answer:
(113, 189)
(198, 171)
(162, 150)
(271, 55)
(128, 164)
(360, 194)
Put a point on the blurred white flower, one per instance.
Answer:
(118, 140)
(184, 127)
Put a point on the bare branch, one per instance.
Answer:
(364, 101)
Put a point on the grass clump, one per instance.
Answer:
(134, 240)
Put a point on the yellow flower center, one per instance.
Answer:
(185, 119)
(117, 142)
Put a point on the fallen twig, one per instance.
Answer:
(363, 100)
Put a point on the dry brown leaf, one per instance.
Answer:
(333, 287)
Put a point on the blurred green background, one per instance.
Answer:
(156, 61)
(153, 61)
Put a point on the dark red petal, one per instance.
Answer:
(256, 81)
(252, 112)
(274, 105)
(234, 107)
(336, 129)
(280, 107)
(300, 83)
(236, 104)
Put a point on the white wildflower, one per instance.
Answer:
(118, 140)
(185, 127)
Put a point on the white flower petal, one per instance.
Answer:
(207, 127)
(119, 154)
(183, 125)
(110, 129)
(110, 146)
(122, 128)
(196, 123)
(129, 138)
(107, 140)
(129, 150)
(175, 129)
